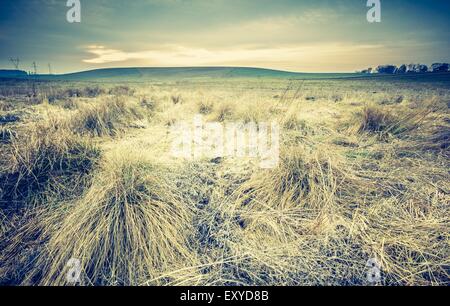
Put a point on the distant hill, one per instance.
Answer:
(199, 73)
(12, 74)
(185, 73)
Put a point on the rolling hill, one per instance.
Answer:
(183, 73)
(198, 73)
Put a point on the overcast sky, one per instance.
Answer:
(295, 35)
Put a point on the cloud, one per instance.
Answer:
(319, 35)
(281, 57)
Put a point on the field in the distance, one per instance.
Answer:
(86, 173)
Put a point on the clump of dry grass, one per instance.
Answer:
(121, 90)
(375, 119)
(205, 107)
(253, 112)
(291, 120)
(176, 99)
(129, 226)
(106, 118)
(381, 121)
(57, 95)
(280, 224)
(149, 104)
(224, 111)
(43, 155)
(70, 104)
(295, 179)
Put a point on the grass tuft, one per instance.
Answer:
(107, 118)
(128, 227)
(376, 119)
(42, 156)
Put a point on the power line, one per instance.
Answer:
(15, 62)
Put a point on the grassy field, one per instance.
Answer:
(86, 173)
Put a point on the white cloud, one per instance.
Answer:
(293, 57)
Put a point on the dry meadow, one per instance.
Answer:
(86, 172)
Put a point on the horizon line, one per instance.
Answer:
(184, 67)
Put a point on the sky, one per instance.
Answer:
(293, 35)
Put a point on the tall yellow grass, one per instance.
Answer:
(363, 174)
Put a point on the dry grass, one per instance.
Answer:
(224, 112)
(376, 119)
(176, 99)
(358, 178)
(205, 107)
(42, 155)
(6, 135)
(128, 227)
(106, 118)
(305, 216)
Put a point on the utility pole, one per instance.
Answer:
(15, 62)
(35, 68)
(49, 68)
